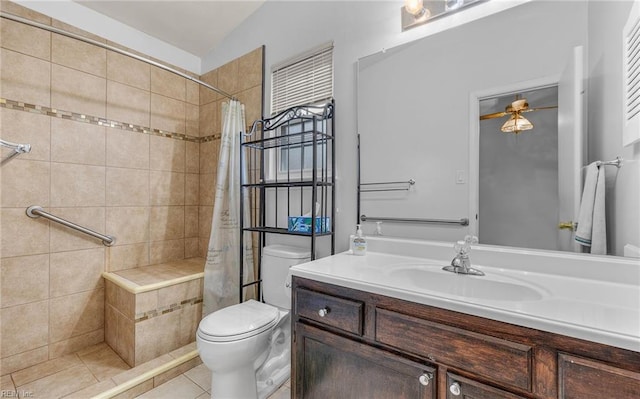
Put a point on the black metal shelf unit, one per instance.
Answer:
(290, 166)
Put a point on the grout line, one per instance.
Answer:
(189, 378)
(192, 380)
(49, 223)
(89, 370)
(150, 188)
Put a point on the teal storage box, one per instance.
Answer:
(302, 224)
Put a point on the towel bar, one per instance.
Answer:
(461, 222)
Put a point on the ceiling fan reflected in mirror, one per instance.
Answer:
(516, 122)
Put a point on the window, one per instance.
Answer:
(297, 158)
(305, 79)
(295, 161)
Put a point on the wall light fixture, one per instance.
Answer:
(417, 12)
(416, 8)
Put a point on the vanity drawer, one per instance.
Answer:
(460, 387)
(584, 379)
(332, 311)
(493, 358)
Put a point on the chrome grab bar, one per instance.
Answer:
(462, 222)
(410, 183)
(36, 211)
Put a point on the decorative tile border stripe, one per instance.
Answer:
(94, 120)
(210, 138)
(167, 309)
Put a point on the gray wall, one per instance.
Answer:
(290, 28)
(359, 29)
(414, 115)
(605, 122)
(518, 176)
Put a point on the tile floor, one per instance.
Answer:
(66, 375)
(98, 368)
(196, 384)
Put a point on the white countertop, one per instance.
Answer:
(602, 307)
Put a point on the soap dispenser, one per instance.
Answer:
(378, 229)
(359, 243)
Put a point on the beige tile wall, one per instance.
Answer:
(152, 191)
(143, 326)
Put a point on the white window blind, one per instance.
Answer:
(305, 80)
(631, 77)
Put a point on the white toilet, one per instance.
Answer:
(236, 341)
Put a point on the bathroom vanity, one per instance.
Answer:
(391, 326)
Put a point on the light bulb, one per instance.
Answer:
(415, 7)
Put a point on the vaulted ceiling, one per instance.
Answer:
(196, 27)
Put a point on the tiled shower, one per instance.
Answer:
(118, 146)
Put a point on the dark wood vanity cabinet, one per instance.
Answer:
(581, 378)
(331, 366)
(464, 388)
(354, 344)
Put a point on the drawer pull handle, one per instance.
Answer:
(455, 389)
(425, 378)
(323, 312)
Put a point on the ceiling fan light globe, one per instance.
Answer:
(516, 124)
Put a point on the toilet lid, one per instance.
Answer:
(238, 321)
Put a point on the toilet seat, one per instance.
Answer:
(238, 322)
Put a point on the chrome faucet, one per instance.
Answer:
(461, 264)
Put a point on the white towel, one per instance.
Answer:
(591, 231)
(599, 228)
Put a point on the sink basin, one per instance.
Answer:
(491, 287)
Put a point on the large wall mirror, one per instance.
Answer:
(419, 108)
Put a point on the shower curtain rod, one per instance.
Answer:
(17, 148)
(111, 48)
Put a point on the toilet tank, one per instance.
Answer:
(276, 261)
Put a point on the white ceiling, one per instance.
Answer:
(196, 27)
